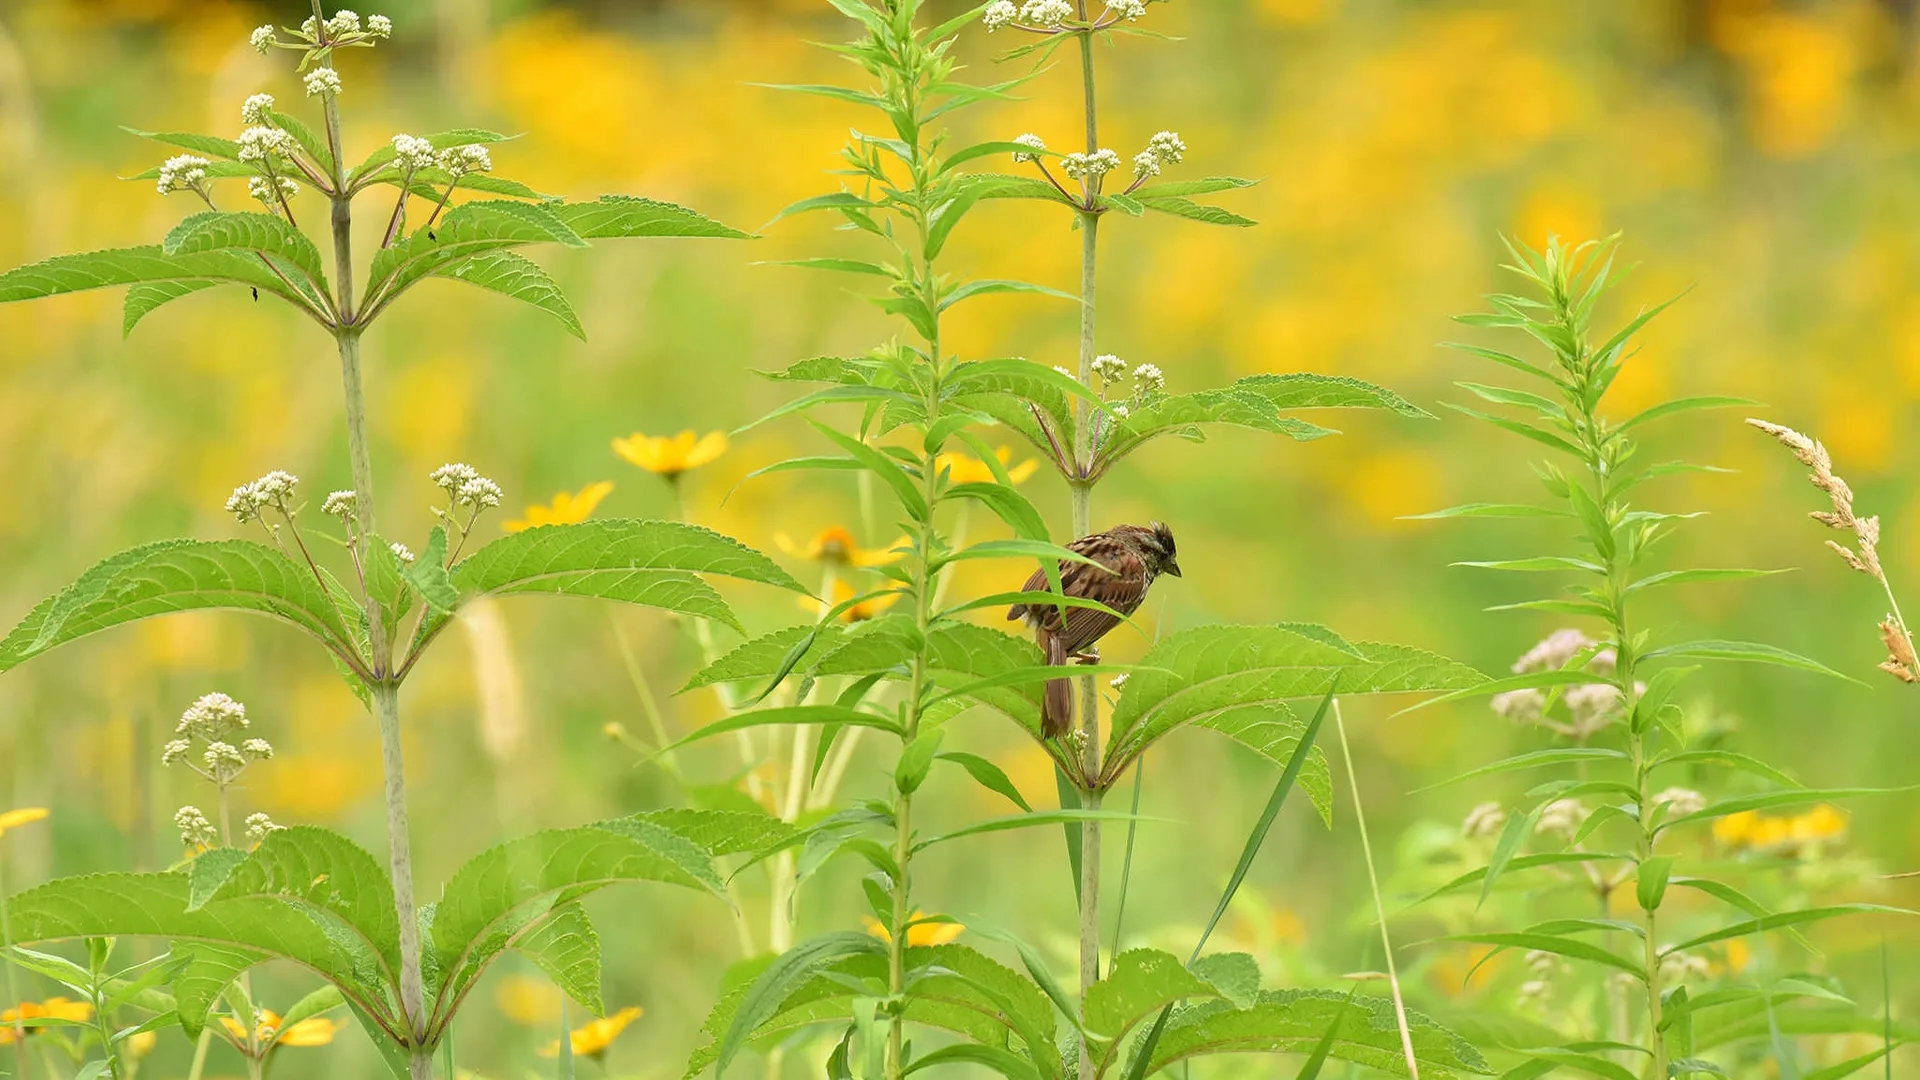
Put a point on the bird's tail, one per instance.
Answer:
(1056, 709)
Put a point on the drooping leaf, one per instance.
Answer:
(1139, 984)
(267, 234)
(566, 947)
(143, 298)
(521, 279)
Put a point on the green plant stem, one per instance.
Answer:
(1379, 906)
(13, 979)
(200, 1048)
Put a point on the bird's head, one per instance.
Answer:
(1156, 544)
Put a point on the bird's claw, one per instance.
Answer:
(1088, 655)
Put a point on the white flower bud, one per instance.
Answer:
(263, 38)
(1168, 147)
(254, 110)
(1110, 368)
(1127, 9)
(379, 26)
(401, 551)
(412, 152)
(322, 82)
(195, 829)
(223, 760)
(260, 143)
(998, 14)
(451, 475)
(212, 717)
(1145, 164)
(340, 504)
(175, 752)
(183, 172)
(478, 492)
(1121, 411)
(1028, 139)
(260, 826)
(1148, 379)
(343, 22)
(1067, 373)
(461, 160)
(257, 749)
(1090, 166)
(271, 192)
(1046, 13)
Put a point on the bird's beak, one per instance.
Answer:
(1173, 568)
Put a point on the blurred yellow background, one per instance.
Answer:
(1760, 153)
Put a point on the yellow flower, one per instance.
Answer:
(319, 1031)
(26, 815)
(140, 1044)
(594, 1039)
(918, 933)
(1750, 830)
(54, 1008)
(967, 470)
(526, 999)
(1734, 828)
(671, 455)
(568, 508)
(836, 545)
(860, 612)
(1823, 822)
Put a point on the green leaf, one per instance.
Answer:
(1496, 510)
(1523, 862)
(613, 216)
(1679, 405)
(1181, 415)
(916, 759)
(639, 562)
(143, 298)
(466, 231)
(1028, 820)
(518, 278)
(1749, 651)
(210, 145)
(325, 872)
(789, 715)
(1192, 211)
(1205, 186)
(252, 231)
(428, 574)
(1139, 983)
(1008, 505)
(988, 775)
(994, 286)
(1297, 1021)
(761, 657)
(1689, 577)
(178, 575)
(567, 948)
(1651, 881)
(880, 465)
(839, 200)
(1729, 759)
(1565, 755)
(148, 264)
(845, 266)
(724, 832)
(1771, 800)
(1781, 920)
(1572, 948)
(763, 999)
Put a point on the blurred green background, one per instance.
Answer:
(1761, 153)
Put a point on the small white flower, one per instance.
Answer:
(1520, 706)
(275, 488)
(183, 172)
(260, 143)
(343, 22)
(212, 717)
(1561, 816)
(1028, 139)
(461, 160)
(1168, 147)
(1681, 801)
(1148, 378)
(175, 752)
(260, 826)
(1145, 164)
(478, 493)
(998, 14)
(1553, 652)
(412, 152)
(310, 26)
(263, 38)
(451, 475)
(401, 551)
(242, 505)
(1090, 166)
(254, 110)
(272, 191)
(322, 81)
(340, 503)
(1680, 966)
(1110, 368)
(379, 26)
(1047, 13)
(1118, 682)
(1484, 820)
(1127, 9)
(195, 829)
(223, 760)
(257, 749)
(1067, 373)
(1121, 411)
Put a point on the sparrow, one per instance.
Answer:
(1129, 558)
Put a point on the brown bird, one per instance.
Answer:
(1130, 557)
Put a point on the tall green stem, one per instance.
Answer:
(1379, 905)
(386, 687)
(1082, 526)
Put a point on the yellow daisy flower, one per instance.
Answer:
(836, 545)
(567, 508)
(671, 455)
(54, 1008)
(860, 612)
(594, 1039)
(26, 815)
(918, 933)
(969, 470)
(318, 1031)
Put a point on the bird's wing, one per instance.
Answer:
(1121, 586)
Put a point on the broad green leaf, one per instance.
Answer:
(1306, 390)
(314, 868)
(613, 216)
(1204, 186)
(148, 264)
(208, 969)
(765, 997)
(1182, 415)
(567, 948)
(1651, 881)
(252, 231)
(521, 279)
(428, 575)
(143, 298)
(178, 575)
(1139, 983)
(1193, 211)
(466, 231)
(1749, 651)
(759, 658)
(1297, 1021)
(987, 775)
(723, 832)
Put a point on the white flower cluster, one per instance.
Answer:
(1681, 801)
(263, 38)
(254, 110)
(1028, 139)
(999, 14)
(1110, 368)
(274, 489)
(322, 82)
(1165, 148)
(257, 749)
(211, 718)
(1148, 379)
(401, 551)
(184, 172)
(260, 826)
(1090, 166)
(1046, 13)
(1122, 411)
(465, 486)
(343, 22)
(1128, 9)
(412, 152)
(1561, 816)
(1553, 652)
(195, 829)
(340, 504)
(1487, 819)
(261, 142)
(461, 160)
(1118, 682)
(223, 762)
(379, 26)
(272, 191)
(175, 752)
(1678, 967)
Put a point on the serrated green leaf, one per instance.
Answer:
(1179, 206)
(521, 279)
(1747, 651)
(1296, 1021)
(612, 216)
(566, 947)
(143, 298)
(265, 234)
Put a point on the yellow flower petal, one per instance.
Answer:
(671, 455)
(962, 469)
(318, 1031)
(860, 612)
(593, 1039)
(26, 815)
(918, 933)
(567, 508)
